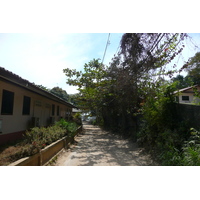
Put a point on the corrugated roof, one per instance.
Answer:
(11, 77)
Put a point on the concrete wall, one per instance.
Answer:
(41, 107)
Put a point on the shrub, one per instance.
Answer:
(77, 118)
(70, 127)
(161, 132)
(191, 149)
(37, 138)
(62, 123)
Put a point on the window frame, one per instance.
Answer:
(58, 110)
(184, 98)
(53, 110)
(7, 104)
(26, 105)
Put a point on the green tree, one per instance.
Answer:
(182, 82)
(116, 92)
(138, 70)
(193, 68)
(92, 84)
(60, 93)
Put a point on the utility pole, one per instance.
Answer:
(108, 42)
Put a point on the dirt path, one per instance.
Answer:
(95, 147)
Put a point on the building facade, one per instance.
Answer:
(24, 105)
(187, 95)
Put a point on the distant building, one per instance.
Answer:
(187, 95)
(75, 110)
(24, 105)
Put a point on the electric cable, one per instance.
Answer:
(107, 43)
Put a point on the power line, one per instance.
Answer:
(108, 42)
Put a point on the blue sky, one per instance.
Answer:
(41, 58)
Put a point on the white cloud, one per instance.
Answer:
(49, 56)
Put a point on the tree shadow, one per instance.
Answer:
(98, 147)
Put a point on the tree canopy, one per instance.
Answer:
(193, 73)
(132, 95)
(60, 93)
(193, 68)
(116, 92)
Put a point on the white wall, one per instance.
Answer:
(192, 99)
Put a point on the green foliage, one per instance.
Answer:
(60, 93)
(92, 85)
(193, 68)
(162, 132)
(40, 137)
(166, 138)
(171, 157)
(115, 93)
(77, 115)
(191, 149)
(193, 73)
(37, 138)
(159, 110)
(77, 118)
(182, 82)
(134, 85)
(69, 127)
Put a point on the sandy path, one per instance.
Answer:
(95, 147)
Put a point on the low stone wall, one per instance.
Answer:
(47, 153)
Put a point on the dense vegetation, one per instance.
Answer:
(36, 139)
(135, 96)
(193, 73)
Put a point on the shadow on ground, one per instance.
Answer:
(96, 147)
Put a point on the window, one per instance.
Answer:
(53, 110)
(0, 125)
(58, 110)
(7, 103)
(26, 106)
(185, 98)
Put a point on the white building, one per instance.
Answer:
(187, 95)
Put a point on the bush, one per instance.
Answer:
(62, 123)
(161, 132)
(70, 127)
(191, 149)
(37, 138)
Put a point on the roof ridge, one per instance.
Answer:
(25, 83)
(183, 89)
